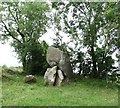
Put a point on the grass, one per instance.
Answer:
(85, 92)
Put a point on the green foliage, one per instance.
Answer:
(104, 62)
(93, 26)
(36, 58)
(26, 23)
(8, 72)
(4, 70)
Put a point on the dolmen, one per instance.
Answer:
(61, 70)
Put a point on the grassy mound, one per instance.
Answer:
(85, 92)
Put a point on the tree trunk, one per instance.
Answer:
(95, 73)
(24, 64)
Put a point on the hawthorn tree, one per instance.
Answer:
(23, 23)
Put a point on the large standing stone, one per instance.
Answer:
(60, 59)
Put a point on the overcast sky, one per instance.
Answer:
(8, 57)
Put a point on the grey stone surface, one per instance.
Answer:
(50, 75)
(53, 56)
(65, 66)
(59, 78)
(53, 76)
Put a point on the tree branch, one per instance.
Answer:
(82, 10)
(13, 15)
(9, 33)
(21, 34)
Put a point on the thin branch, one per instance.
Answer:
(16, 20)
(10, 32)
(82, 10)
(13, 16)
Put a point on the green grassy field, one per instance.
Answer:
(85, 92)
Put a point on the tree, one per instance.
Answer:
(23, 24)
(36, 58)
(93, 26)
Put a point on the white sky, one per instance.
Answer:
(7, 56)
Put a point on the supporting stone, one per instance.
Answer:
(53, 76)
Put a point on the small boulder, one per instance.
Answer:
(30, 79)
